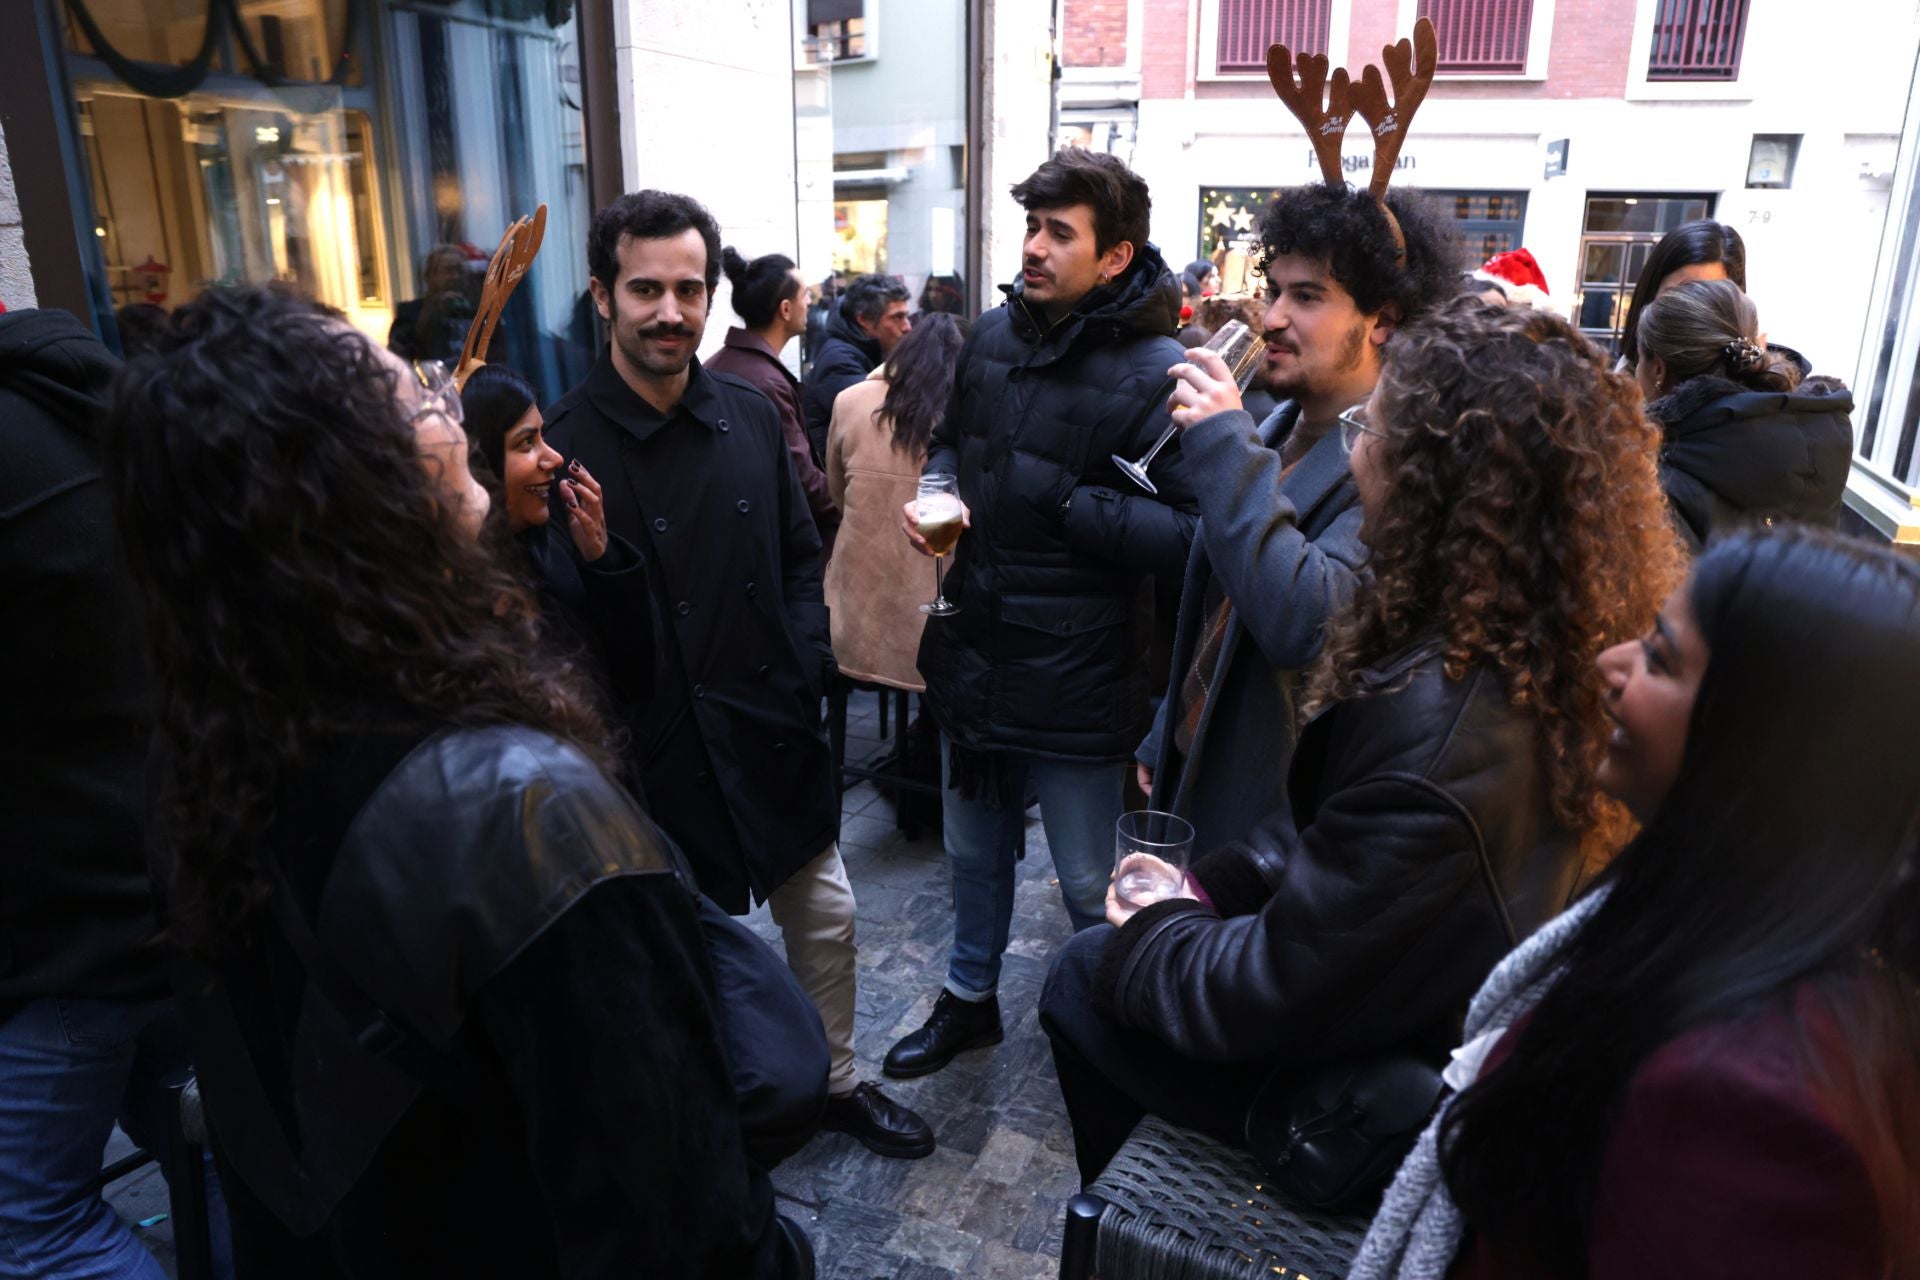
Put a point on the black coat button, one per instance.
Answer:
(699, 691)
(764, 668)
(660, 525)
(702, 777)
(779, 746)
(723, 424)
(743, 505)
(752, 590)
(685, 608)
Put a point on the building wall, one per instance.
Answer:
(1093, 33)
(1624, 136)
(707, 108)
(16, 280)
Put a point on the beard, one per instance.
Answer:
(1305, 377)
(641, 355)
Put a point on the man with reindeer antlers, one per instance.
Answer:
(1278, 545)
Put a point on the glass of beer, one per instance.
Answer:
(1150, 857)
(937, 507)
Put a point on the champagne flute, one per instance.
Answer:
(937, 508)
(1242, 349)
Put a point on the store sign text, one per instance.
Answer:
(1353, 164)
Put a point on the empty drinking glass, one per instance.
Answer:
(1151, 850)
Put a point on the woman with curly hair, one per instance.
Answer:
(433, 966)
(1710, 1064)
(1444, 801)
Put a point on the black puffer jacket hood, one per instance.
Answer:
(1054, 579)
(54, 363)
(1731, 455)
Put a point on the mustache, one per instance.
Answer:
(1036, 269)
(666, 331)
(1277, 343)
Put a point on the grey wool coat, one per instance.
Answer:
(1288, 554)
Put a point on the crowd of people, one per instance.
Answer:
(406, 751)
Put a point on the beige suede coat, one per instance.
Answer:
(876, 582)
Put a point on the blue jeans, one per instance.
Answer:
(68, 1070)
(1079, 804)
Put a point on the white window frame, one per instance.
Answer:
(1873, 491)
(1539, 44)
(1640, 88)
(1339, 33)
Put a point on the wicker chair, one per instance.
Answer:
(1177, 1206)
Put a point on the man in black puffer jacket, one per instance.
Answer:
(862, 329)
(1042, 673)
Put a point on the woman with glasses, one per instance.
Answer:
(435, 968)
(1443, 794)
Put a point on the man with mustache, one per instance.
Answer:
(729, 749)
(1041, 675)
(1278, 549)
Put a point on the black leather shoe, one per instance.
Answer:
(954, 1026)
(880, 1124)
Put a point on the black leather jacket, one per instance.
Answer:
(1420, 848)
(480, 994)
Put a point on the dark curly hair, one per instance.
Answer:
(649, 215)
(1523, 521)
(302, 582)
(1118, 196)
(1345, 227)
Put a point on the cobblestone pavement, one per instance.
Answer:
(990, 1200)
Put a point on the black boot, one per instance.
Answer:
(880, 1124)
(954, 1026)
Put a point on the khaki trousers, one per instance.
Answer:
(814, 910)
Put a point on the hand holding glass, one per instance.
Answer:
(1242, 349)
(1151, 850)
(939, 514)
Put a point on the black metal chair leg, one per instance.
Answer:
(187, 1192)
(837, 738)
(1081, 1234)
(881, 694)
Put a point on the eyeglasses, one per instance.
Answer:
(438, 391)
(1353, 424)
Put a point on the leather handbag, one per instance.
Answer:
(1333, 1141)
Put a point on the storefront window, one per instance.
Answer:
(382, 193)
(1485, 222)
(1230, 236)
(1620, 232)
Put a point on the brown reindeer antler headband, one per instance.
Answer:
(510, 262)
(1325, 105)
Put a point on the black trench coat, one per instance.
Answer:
(730, 746)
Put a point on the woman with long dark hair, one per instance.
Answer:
(1745, 436)
(1698, 250)
(434, 967)
(1444, 799)
(1711, 1064)
(595, 608)
(876, 446)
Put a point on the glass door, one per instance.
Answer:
(1620, 231)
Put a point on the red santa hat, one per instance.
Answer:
(1519, 277)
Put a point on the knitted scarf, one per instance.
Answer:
(1418, 1228)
